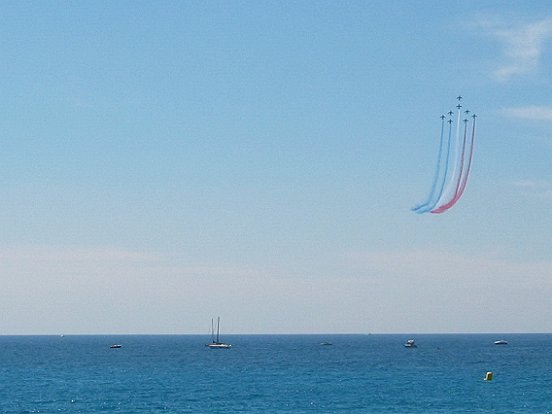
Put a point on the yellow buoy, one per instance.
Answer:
(489, 376)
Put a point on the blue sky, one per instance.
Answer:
(166, 162)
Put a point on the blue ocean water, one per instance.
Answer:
(276, 374)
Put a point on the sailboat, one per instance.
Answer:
(215, 342)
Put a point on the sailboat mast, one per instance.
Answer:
(218, 328)
(212, 330)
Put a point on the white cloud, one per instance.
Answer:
(49, 254)
(442, 265)
(522, 46)
(535, 188)
(533, 112)
(459, 292)
(53, 261)
(532, 184)
(75, 290)
(48, 289)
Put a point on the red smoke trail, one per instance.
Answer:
(465, 182)
(462, 178)
(431, 200)
(444, 207)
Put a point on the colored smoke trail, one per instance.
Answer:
(450, 188)
(444, 207)
(464, 179)
(440, 173)
(468, 169)
(453, 167)
(437, 170)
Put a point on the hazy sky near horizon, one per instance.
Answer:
(167, 162)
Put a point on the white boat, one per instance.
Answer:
(115, 346)
(215, 342)
(501, 342)
(410, 344)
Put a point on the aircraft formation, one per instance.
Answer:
(454, 161)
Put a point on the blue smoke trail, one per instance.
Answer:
(437, 169)
(445, 175)
(455, 155)
(433, 198)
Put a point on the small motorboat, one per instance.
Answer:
(501, 342)
(325, 343)
(114, 346)
(410, 344)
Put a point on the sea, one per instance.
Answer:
(276, 374)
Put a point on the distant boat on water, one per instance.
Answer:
(114, 346)
(410, 344)
(501, 342)
(215, 341)
(325, 343)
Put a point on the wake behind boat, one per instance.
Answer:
(215, 342)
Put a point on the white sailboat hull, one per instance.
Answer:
(219, 346)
